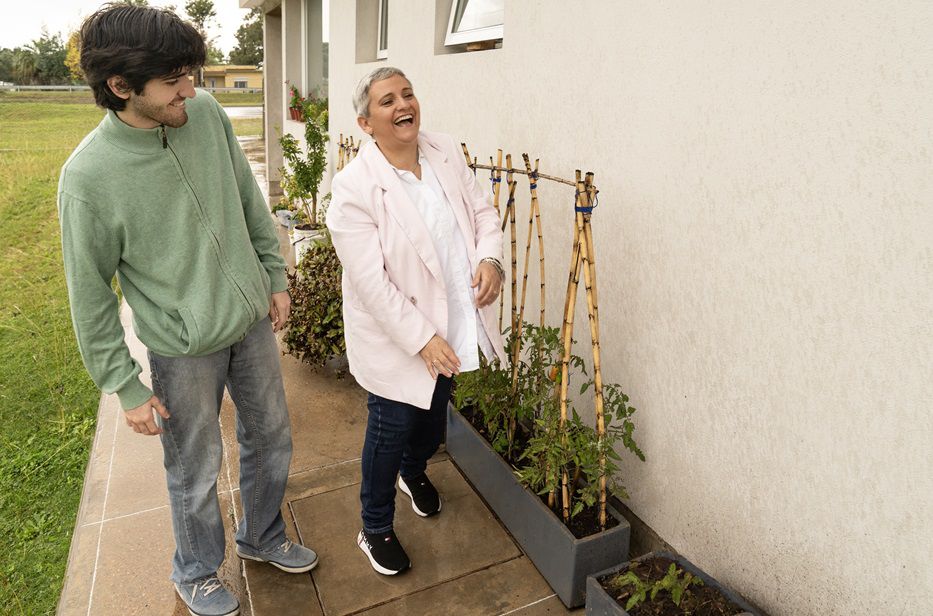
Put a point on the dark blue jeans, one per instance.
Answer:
(399, 438)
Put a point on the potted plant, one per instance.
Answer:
(295, 104)
(301, 179)
(283, 213)
(660, 584)
(511, 443)
(314, 332)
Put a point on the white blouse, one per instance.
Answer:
(464, 329)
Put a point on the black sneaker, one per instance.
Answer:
(384, 551)
(424, 498)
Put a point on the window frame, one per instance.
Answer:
(489, 33)
(382, 23)
(245, 83)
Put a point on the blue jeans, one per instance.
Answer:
(192, 389)
(399, 438)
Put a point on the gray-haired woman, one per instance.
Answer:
(420, 246)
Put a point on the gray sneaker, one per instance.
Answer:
(290, 557)
(208, 597)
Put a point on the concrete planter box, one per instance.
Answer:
(562, 559)
(599, 603)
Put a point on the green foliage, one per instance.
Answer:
(50, 55)
(301, 177)
(532, 405)
(201, 12)
(248, 49)
(672, 583)
(315, 327)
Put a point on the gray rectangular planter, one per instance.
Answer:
(599, 603)
(562, 559)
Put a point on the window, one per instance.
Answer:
(382, 45)
(472, 21)
(240, 83)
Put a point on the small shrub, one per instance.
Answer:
(315, 328)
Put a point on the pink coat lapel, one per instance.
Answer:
(402, 209)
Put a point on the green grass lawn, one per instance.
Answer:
(48, 404)
(82, 97)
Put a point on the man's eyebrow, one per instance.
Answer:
(175, 75)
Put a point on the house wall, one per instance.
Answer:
(763, 246)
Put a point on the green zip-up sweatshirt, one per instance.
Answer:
(176, 213)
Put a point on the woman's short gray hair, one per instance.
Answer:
(361, 94)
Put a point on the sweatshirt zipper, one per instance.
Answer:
(209, 230)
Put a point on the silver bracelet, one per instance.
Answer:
(495, 263)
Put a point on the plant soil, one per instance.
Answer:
(696, 601)
(583, 524)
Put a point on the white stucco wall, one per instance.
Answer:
(765, 264)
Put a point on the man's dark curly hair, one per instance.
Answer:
(137, 43)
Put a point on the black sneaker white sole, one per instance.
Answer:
(404, 488)
(363, 545)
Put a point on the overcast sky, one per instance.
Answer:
(23, 22)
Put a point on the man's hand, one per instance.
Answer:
(440, 358)
(142, 419)
(489, 283)
(279, 308)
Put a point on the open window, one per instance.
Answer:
(474, 21)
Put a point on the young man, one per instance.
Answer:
(161, 195)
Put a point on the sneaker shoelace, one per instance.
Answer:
(207, 587)
(285, 547)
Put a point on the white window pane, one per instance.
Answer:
(476, 14)
(383, 24)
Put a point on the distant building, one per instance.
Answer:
(232, 76)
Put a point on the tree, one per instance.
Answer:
(49, 59)
(248, 49)
(24, 66)
(6, 64)
(201, 12)
(73, 56)
(214, 54)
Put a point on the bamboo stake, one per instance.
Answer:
(519, 324)
(340, 153)
(495, 174)
(570, 302)
(511, 211)
(533, 175)
(589, 273)
(522, 172)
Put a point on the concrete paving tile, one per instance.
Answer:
(464, 538)
(548, 607)
(318, 480)
(134, 565)
(496, 590)
(137, 477)
(77, 589)
(328, 415)
(277, 593)
(91, 508)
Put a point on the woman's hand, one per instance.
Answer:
(439, 358)
(487, 284)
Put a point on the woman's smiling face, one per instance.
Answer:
(394, 114)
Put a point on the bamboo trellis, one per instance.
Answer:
(583, 257)
(346, 151)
